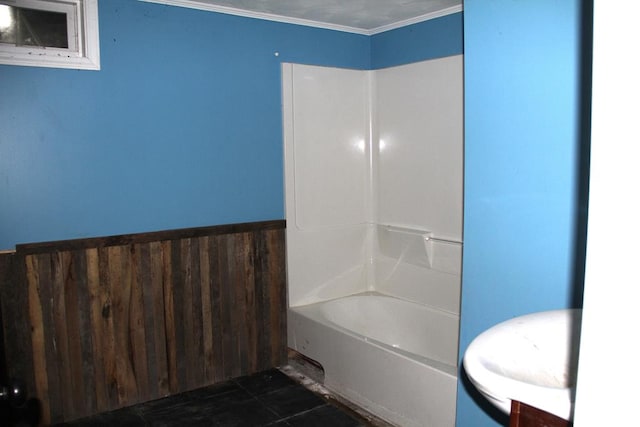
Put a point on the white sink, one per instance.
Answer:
(531, 358)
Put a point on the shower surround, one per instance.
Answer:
(373, 170)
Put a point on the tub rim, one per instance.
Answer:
(312, 312)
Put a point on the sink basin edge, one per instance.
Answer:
(531, 358)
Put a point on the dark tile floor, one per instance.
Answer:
(268, 398)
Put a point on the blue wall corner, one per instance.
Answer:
(435, 38)
(522, 139)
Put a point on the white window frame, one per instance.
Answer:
(84, 46)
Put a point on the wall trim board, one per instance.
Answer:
(201, 5)
(126, 239)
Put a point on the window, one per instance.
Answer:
(50, 33)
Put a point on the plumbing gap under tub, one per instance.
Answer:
(310, 374)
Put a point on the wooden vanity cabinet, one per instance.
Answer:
(523, 415)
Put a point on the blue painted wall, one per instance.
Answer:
(522, 156)
(180, 128)
(436, 38)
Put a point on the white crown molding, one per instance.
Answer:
(200, 5)
(427, 16)
(195, 4)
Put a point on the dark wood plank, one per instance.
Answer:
(144, 282)
(277, 299)
(232, 301)
(240, 314)
(157, 308)
(261, 278)
(60, 346)
(225, 248)
(14, 298)
(37, 321)
(215, 274)
(169, 316)
(250, 302)
(7, 274)
(196, 331)
(137, 332)
(87, 373)
(120, 277)
(189, 358)
(97, 332)
(50, 302)
(71, 280)
(177, 288)
(208, 359)
(108, 336)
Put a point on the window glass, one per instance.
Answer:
(20, 26)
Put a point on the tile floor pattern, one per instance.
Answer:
(268, 398)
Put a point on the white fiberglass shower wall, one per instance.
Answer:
(327, 190)
(373, 171)
(418, 180)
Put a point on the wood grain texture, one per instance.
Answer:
(16, 337)
(96, 331)
(523, 415)
(122, 320)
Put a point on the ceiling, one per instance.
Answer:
(359, 16)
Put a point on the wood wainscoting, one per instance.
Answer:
(97, 324)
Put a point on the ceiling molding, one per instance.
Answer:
(417, 19)
(200, 5)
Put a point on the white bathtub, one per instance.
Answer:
(395, 358)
